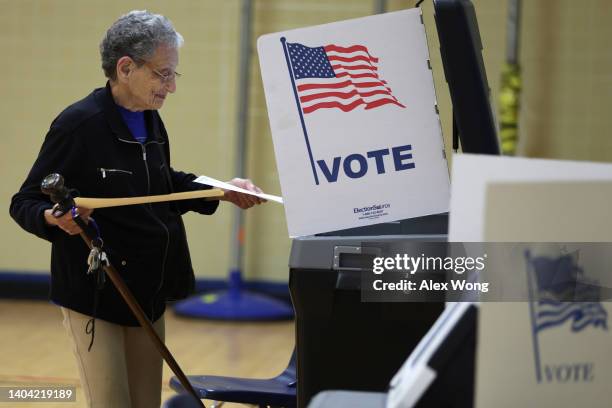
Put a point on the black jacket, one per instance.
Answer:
(90, 145)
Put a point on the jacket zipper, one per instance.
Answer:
(111, 171)
(163, 272)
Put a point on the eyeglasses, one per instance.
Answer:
(165, 78)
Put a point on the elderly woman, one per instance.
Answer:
(113, 143)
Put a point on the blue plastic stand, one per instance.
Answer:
(234, 304)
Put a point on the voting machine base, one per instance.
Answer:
(342, 342)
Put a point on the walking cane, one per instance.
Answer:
(53, 185)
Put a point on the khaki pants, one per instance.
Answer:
(123, 368)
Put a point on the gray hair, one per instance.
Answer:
(136, 34)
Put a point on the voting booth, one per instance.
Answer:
(361, 160)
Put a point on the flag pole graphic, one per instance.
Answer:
(534, 327)
(299, 107)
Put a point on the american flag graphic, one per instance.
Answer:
(558, 294)
(559, 279)
(332, 76)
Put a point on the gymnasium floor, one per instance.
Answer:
(35, 350)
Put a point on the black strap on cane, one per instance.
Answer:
(96, 261)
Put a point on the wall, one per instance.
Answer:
(567, 67)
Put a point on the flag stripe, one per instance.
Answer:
(562, 314)
(342, 95)
(356, 58)
(354, 48)
(350, 106)
(595, 321)
(557, 320)
(343, 84)
(549, 310)
(357, 76)
(381, 102)
(355, 67)
(332, 85)
(334, 104)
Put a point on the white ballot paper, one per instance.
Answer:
(353, 116)
(221, 184)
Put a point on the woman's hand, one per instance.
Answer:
(65, 222)
(242, 200)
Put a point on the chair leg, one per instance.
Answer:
(217, 404)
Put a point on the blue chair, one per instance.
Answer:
(279, 391)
